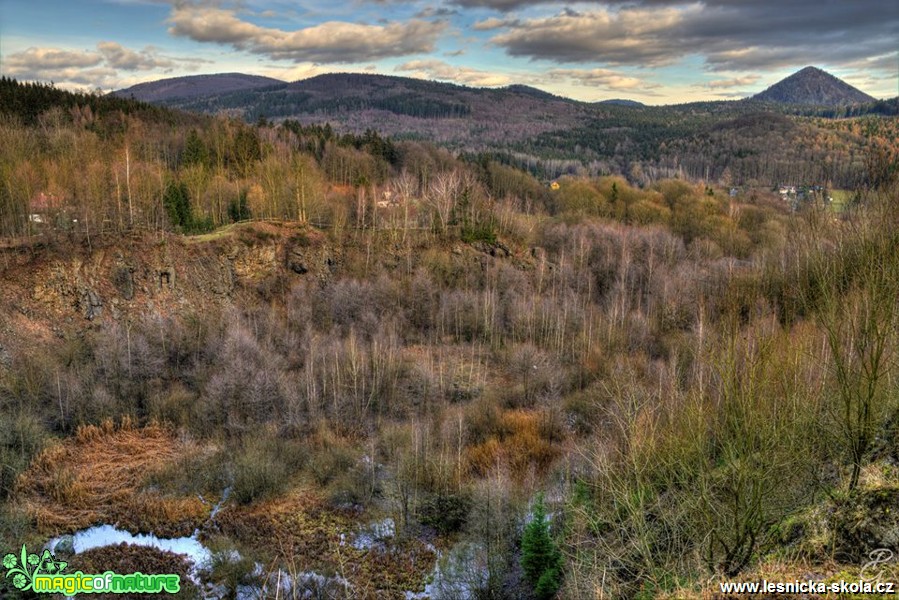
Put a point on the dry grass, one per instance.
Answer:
(99, 476)
(522, 441)
(301, 532)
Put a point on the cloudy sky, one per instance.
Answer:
(655, 51)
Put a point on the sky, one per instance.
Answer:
(653, 51)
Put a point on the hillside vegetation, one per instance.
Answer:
(283, 336)
(813, 86)
(550, 135)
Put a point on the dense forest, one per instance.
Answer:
(372, 368)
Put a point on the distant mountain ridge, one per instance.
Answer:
(248, 93)
(622, 102)
(393, 105)
(195, 86)
(550, 134)
(813, 86)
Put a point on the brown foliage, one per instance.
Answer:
(99, 475)
(128, 558)
(302, 531)
(522, 441)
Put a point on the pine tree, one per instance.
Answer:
(177, 204)
(238, 210)
(195, 152)
(541, 559)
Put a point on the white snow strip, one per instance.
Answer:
(107, 535)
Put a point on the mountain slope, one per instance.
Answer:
(398, 106)
(551, 135)
(813, 86)
(195, 86)
(622, 102)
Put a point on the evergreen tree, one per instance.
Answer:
(238, 210)
(541, 559)
(195, 152)
(177, 204)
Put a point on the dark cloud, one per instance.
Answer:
(329, 42)
(503, 5)
(626, 37)
(729, 34)
(431, 12)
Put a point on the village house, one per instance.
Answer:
(42, 206)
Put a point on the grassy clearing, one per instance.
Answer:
(841, 199)
(261, 229)
(99, 476)
(220, 233)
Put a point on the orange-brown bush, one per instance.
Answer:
(523, 440)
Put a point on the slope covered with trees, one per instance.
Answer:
(551, 135)
(812, 86)
(411, 368)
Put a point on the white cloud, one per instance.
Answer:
(89, 69)
(50, 59)
(494, 23)
(601, 78)
(437, 69)
(119, 57)
(328, 42)
(732, 82)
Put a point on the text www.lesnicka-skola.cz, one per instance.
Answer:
(807, 587)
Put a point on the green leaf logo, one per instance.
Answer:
(23, 568)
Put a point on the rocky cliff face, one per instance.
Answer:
(51, 289)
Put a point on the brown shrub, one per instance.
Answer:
(523, 440)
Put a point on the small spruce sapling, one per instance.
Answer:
(541, 559)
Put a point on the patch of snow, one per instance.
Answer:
(218, 507)
(307, 584)
(374, 534)
(107, 535)
(457, 575)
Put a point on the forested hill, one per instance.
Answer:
(196, 85)
(398, 106)
(815, 87)
(28, 101)
(757, 141)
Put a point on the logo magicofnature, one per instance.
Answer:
(43, 574)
